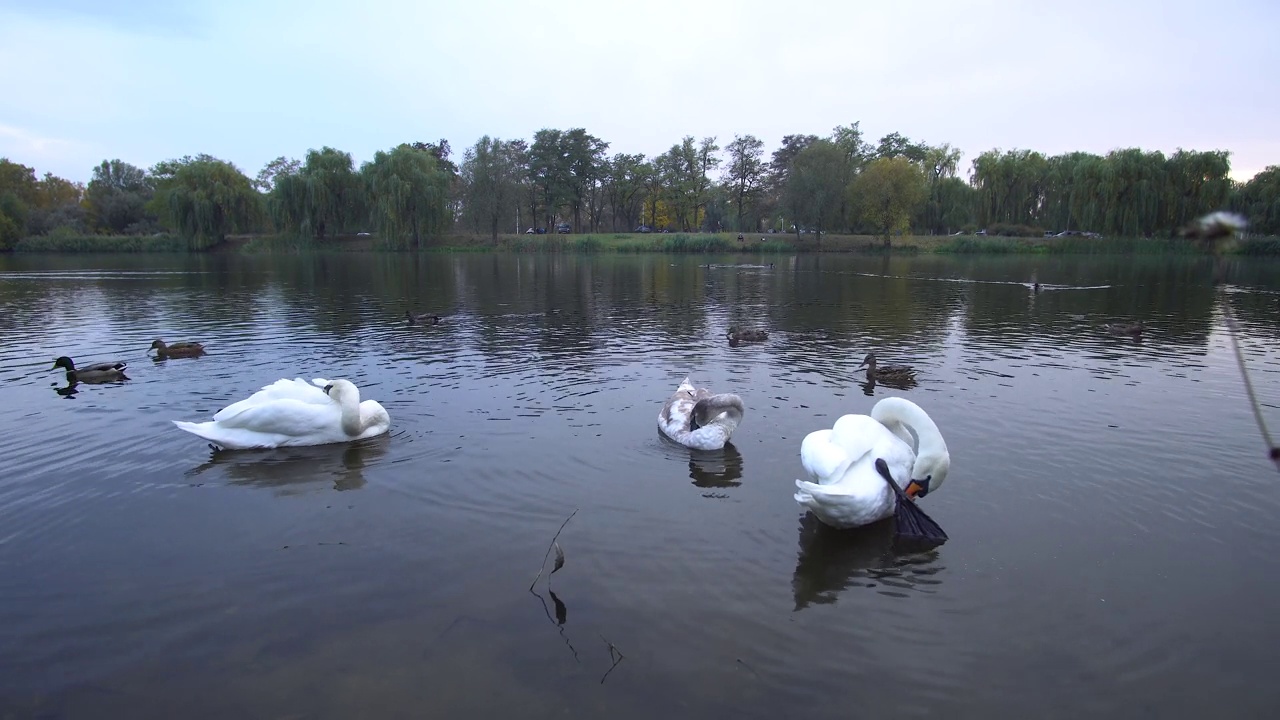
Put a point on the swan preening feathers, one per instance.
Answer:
(845, 489)
(700, 419)
(289, 413)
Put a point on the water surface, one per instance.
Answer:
(1110, 507)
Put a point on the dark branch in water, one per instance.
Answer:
(1214, 228)
(614, 654)
(559, 552)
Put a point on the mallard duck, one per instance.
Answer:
(427, 319)
(176, 350)
(736, 335)
(1132, 329)
(844, 489)
(699, 419)
(290, 413)
(886, 373)
(95, 373)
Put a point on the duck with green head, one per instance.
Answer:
(95, 373)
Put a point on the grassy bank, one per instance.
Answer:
(60, 243)
(662, 243)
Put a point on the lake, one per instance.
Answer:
(1110, 506)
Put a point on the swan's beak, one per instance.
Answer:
(918, 488)
(329, 387)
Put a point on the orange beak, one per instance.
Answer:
(916, 489)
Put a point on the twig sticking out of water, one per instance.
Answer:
(1214, 228)
(559, 563)
(614, 654)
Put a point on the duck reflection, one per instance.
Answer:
(68, 392)
(832, 560)
(716, 468)
(295, 470)
(869, 386)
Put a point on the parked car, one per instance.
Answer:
(563, 228)
(644, 229)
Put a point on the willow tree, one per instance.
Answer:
(324, 195)
(204, 198)
(408, 195)
(889, 190)
(1259, 200)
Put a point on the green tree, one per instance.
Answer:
(1259, 201)
(624, 187)
(325, 195)
(583, 158)
(490, 173)
(814, 189)
(204, 198)
(854, 152)
(744, 177)
(18, 192)
(408, 195)
(273, 170)
(548, 174)
(118, 195)
(888, 191)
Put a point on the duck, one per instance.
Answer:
(1133, 329)
(293, 413)
(426, 318)
(890, 373)
(93, 373)
(700, 419)
(736, 335)
(176, 350)
(844, 489)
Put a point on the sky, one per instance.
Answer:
(82, 81)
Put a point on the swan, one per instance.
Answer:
(699, 419)
(289, 413)
(844, 489)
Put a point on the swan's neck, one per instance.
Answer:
(930, 444)
(351, 421)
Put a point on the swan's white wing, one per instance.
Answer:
(824, 460)
(286, 416)
(295, 389)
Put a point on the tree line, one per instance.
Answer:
(840, 183)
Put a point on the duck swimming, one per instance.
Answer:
(93, 373)
(1132, 329)
(844, 489)
(891, 373)
(735, 335)
(176, 350)
(291, 413)
(426, 319)
(699, 419)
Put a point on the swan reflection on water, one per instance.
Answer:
(295, 470)
(831, 561)
(716, 468)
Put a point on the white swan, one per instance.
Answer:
(698, 419)
(846, 491)
(290, 413)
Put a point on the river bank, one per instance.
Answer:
(658, 242)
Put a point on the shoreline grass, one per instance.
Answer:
(696, 243)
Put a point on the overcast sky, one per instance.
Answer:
(249, 80)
